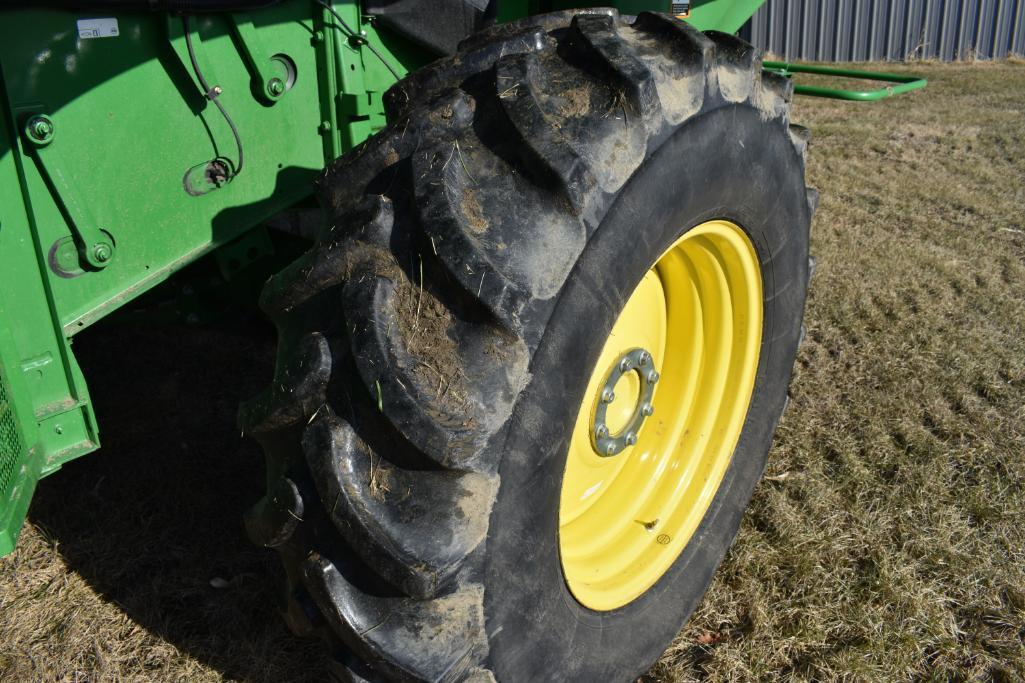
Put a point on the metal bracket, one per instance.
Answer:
(903, 83)
(273, 76)
(95, 245)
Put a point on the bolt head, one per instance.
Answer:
(601, 431)
(647, 409)
(624, 365)
(40, 128)
(610, 449)
(631, 438)
(102, 253)
(643, 358)
(653, 376)
(276, 86)
(608, 396)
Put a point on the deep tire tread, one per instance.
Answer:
(430, 290)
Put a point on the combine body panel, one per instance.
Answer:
(109, 142)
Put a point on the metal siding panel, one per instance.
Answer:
(859, 30)
(1018, 46)
(984, 21)
(825, 21)
(949, 40)
(880, 29)
(1000, 32)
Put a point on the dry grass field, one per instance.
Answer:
(887, 541)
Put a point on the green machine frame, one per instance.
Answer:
(117, 170)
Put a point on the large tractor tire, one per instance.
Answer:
(529, 377)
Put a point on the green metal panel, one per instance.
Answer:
(129, 122)
(126, 120)
(707, 15)
(722, 15)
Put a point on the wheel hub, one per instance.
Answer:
(606, 443)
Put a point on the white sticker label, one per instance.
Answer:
(97, 28)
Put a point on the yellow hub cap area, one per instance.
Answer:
(625, 517)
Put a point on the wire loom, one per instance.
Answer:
(213, 94)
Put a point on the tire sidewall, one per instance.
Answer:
(729, 164)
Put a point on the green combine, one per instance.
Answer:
(540, 285)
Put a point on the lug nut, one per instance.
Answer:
(608, 396)
(276, 86)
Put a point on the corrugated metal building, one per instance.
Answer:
(862, 30)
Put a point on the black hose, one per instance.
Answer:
(212, 93)
(353, 34)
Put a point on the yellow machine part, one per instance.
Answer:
(625, 518)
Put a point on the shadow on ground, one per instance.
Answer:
(154, 517)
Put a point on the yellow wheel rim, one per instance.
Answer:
(629, 506)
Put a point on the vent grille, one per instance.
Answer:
(11, 445)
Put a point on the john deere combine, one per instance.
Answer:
(531, 359)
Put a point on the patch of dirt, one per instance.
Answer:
(425, 324)
(471, 208)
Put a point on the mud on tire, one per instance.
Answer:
(412, 435)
